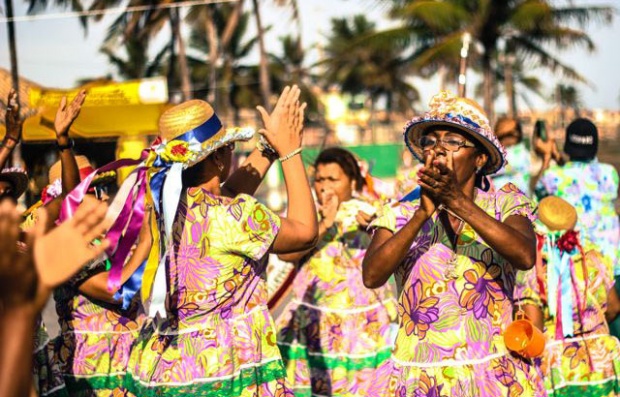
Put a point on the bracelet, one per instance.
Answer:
(265, 148)
(290, 155)
(6, 144)
(69, 145)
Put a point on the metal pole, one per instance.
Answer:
(12, 48)
(16, 157)
(463, 64)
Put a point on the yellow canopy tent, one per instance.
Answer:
(127, 110)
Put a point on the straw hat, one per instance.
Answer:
(557, 214)
(191, 131)
(16, 177)
(448, 110)
(85, 167)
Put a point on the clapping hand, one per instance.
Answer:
(284, 126)
(328, 208)
(66, 115)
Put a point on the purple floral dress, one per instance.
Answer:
(335, 332)
(217, 338)
(453, 309)
(95, 339)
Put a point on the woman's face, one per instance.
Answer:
(466, 159)
(331, 179)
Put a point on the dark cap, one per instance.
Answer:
(581, 140)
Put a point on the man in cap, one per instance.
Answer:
(590, 186)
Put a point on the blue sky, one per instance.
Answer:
(56, 52)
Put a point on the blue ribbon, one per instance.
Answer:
(131, 287)
(412, 195)
(464, 119)
(567, 296)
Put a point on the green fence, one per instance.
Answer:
(383, 159)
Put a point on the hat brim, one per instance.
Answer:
(414, 131)
(19, 180)
(222, 137)
(104, 178)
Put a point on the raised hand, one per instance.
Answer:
(12, 120)
(328, 208)
(66, 115)
(284, 126)
(427, 205)
(57, 265)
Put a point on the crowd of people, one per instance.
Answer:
(163, 291)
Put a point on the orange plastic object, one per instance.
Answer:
(523, 338)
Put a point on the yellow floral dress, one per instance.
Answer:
(217, 338)
(335, 332)
(453, 309)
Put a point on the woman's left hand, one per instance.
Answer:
(440, 181)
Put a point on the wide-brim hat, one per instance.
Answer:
(448, 110)
(16, 177)
(86, 168)
(191, 131)
(557, 214)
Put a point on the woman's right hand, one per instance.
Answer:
(427, 205)
(329, 208)
(13, 121)
(284, 126)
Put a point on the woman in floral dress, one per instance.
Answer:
(568, 294)
(336, 332)
(215, 336)
(454, 249)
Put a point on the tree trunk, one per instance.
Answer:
(186, 88)
(488, 84)
(509, 84)
(16, 157)
(265, 84)
(214, 46)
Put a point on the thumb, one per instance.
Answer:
(63, 103)
(263, 114)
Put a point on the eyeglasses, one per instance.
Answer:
(452, 144)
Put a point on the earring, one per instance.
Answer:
(220, 166)
(478, 169)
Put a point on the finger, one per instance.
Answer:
(39, 227)
(263, 114)
(282, 97)
(63, 103)
(450, 161)
(442, 167)
(429, 159)
(98, 250)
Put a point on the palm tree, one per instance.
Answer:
(567, 96)
(433, 28)
(359, 63)
(237, 84)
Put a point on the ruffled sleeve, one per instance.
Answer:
(394, 216)
(254, 229)
(512, 201)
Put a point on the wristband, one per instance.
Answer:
(290, 155)
(5, 143)
(265, 148)
(69, 145)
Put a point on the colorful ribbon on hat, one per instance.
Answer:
(158, 181)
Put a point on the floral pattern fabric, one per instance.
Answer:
(335, 332)
(517, 168)
(47, 375)
(453, 309)
(217, 338)
(589, 363)
(592, 188)
(95, 338)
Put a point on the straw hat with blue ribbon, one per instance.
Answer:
(189, 133)
(448, 110)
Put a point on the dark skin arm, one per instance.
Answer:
(387, 249)
(247, 178)
(96, 286)
(613, 305)
(65, 116)
(13, 125)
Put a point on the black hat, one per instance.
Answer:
(581, 140)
